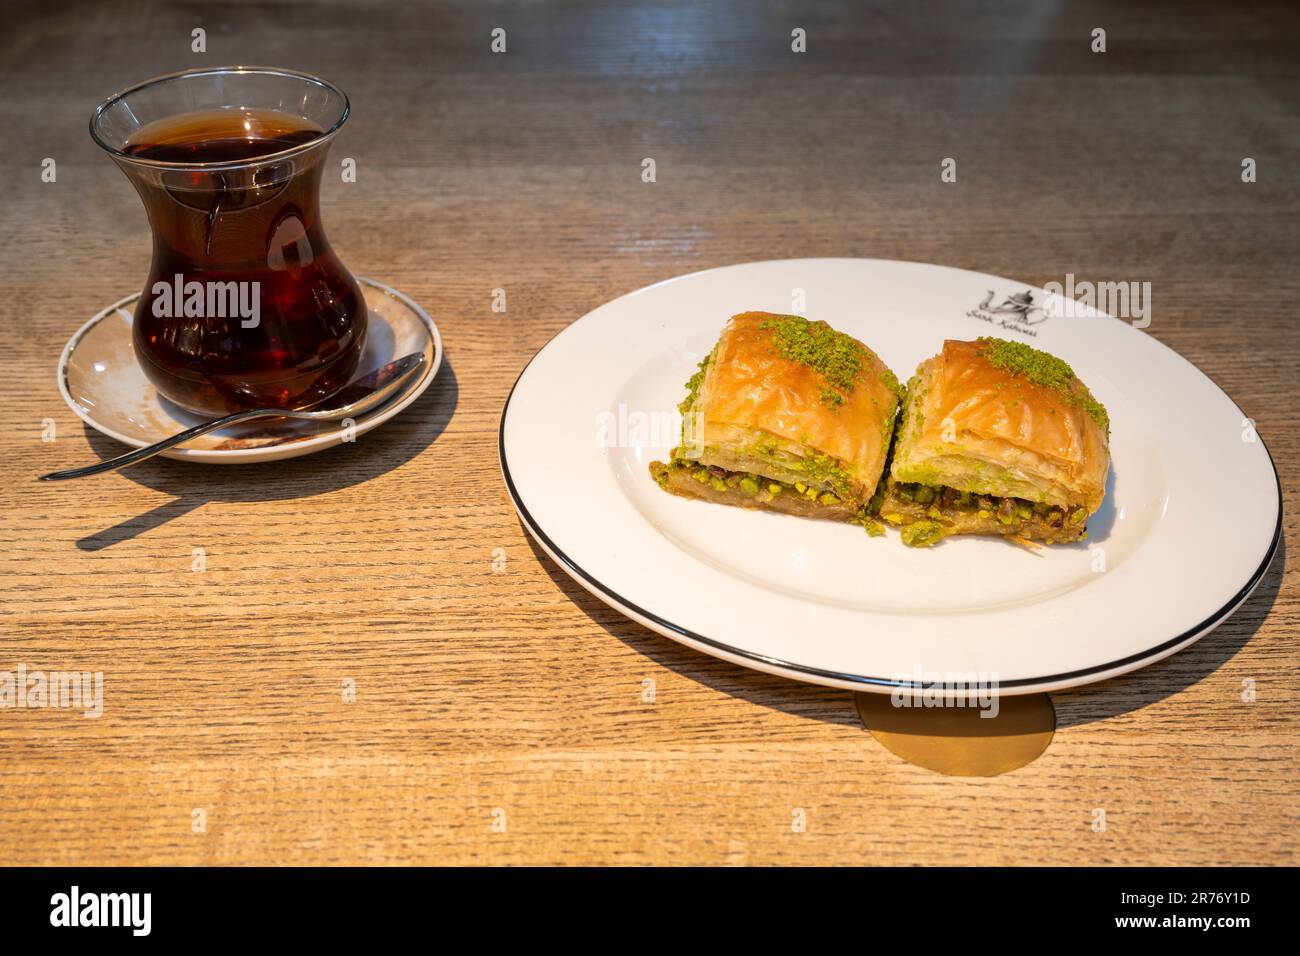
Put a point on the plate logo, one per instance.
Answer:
(1017, 312)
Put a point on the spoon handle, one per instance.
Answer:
(140, 454)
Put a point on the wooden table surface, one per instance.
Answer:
(498, 717)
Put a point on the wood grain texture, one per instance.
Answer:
(516, 691)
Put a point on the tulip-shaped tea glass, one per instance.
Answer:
(246, 304)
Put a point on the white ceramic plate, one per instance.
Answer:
(102, 382)
(816, 601)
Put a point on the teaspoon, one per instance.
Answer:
(361, 396)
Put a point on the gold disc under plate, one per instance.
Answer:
(958, 741)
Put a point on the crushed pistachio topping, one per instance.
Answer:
(839, 358)
(887, 428)
(829, 396)
(693, 385)
(686, 406)
(1046, 370)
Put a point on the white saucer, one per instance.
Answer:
(1190, 522)
(101, 381)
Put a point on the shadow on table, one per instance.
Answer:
(767, 690)
(1085, 705)
(1121, 695)
(391, 444)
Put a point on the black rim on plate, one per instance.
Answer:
(623, 604)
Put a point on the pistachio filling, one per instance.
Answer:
(940, 503)
(756, 486)
(763, 489)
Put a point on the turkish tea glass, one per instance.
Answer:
(246, 304)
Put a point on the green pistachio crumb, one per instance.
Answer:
(873, 527)
(823, 470)
(922, 534)
(838, 357)
(1047, 370)
(693, 384)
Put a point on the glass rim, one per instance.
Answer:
(122, 156)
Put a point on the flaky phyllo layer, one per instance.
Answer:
(997, 438)
(787, 415)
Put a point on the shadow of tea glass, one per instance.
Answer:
(246, 304)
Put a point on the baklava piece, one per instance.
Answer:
(996, 437)
(786, 415)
